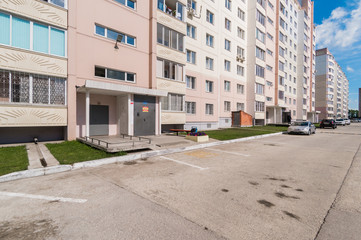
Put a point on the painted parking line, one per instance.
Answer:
(42, 197)
(184, 163)
(235, 153)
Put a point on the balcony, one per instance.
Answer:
(172, 8)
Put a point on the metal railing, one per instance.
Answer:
(124, 136)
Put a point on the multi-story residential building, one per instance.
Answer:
(216, 62)
(33, 70)
(112, 66)
(332, 87)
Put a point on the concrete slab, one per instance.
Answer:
(33, 156)
(49, 158)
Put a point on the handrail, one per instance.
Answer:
(99, 141)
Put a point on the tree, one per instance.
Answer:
(352, 113)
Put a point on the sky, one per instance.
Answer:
(338, 27)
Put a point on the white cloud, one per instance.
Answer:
(350, 69)
(341, 30)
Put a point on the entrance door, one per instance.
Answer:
(99, 120)
(144, 115)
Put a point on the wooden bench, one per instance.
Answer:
(179, 130)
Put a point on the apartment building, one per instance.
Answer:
(33, 70)
(332, 86)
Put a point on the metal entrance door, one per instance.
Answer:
(99, 120)
(144, 115)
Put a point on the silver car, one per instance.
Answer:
(340, 121)
(304, 127)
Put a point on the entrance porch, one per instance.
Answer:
(278, 115)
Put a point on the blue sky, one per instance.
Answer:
(339, 29)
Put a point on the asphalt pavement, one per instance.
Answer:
(281, 187)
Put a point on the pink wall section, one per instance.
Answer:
(96, 100)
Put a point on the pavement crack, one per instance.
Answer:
(338, 192)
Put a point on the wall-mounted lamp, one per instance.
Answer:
(119, 39)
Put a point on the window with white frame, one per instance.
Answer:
(281, 94)
(227, 106)
(114, 74)
(111, 34)
(262, 3)
(173, 8)
(227, 24)
(227, 65)
(173, 102)
(260, 18)
(270, 36)
(240, 88)
(228, 4)
(259, 89)
(191, 56)
(259, 106)
(170, 38)
(240, 52)
(60, 3)
(209, 63)
(128, 3)
(269, 99)
(227, 44)
(191, 31)
(260, 35)
(190, 107)
(210, 17)
(192, 4)
(209, 40)
(209, 109)
(260, 53)
(241, 14)
(227, 86)
(21, 87)
(240, 106)
(281, 66)
(190, 82)
(240, 70)
(269, 68)
(259, 71)
(209, 86)
(282, 51)
(169, 70)
(240, 33)
(21, 33)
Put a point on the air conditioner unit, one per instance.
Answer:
(239, 58)
(191, 12)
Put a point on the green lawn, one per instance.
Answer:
(13, 159)
(73, 151)
(233, 133)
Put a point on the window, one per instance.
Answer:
(114, 74)
(209, 40)
(227, 44)
(209, 63)
(191, 107)
(259, 71)
(270, 84)
(281, 81)
(282, 51)
(209, 86)
(111, 34)
(191, 82)
(228, 4)
(240, 52)
(192, 4)
(173, 102)
(227, 106)
(270, 20)
(191, 56)
(210, 17)
(170, 38)
(240, 89)
(281, 94)
(209, 109)
(270, 36)
(259, 106)
(269, 52)
(227, 24)
(227, 86)
(260, 18)
(131, 3)
(175, 9)
(169, 70)
(191, 31)
(270, 5)
(269, 68)
(227, 65)
(259, 89)
(240, 106)
(269, 99)
(240, 70)
(20, 33)
(260, 35)
(240, 33)
(262, 3)
(241, 14)
(23, 87)
(260, 53)
(281, 66)
(60, 3)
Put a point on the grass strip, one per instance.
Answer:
(13, 159)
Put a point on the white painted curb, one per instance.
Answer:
(100, 162)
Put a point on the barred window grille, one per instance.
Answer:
(57, 90)
(4, 86)
(40, 89)
(20, 87)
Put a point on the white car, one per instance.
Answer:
(340, 121)
(348, 121)
(303, 127)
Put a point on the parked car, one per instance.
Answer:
(302, 127)
(328, 123)
(340, 121)
(348, 121)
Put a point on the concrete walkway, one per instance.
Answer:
(37, 152)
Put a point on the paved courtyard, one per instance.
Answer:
(282, 187)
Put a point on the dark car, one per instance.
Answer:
(328, 123)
